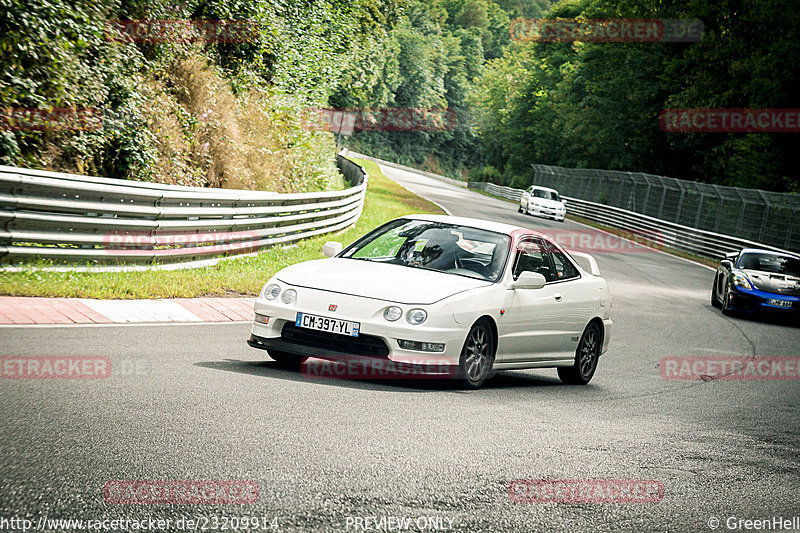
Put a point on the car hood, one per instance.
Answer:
(775, 283)
(392, 283)
(546, 202)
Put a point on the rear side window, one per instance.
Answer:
(563, 266)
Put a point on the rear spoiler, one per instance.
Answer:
(594, 270)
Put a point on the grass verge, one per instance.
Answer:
(240, 276)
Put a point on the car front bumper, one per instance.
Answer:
(546, 212)
(378, 338)
(757, 301)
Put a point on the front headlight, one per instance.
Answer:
(271, 291)
(392, 313)
(289, 296)
(740, 280)
(416, 316)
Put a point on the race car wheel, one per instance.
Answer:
(477, 356)
(714, 300)
(726, 302)
(586, 357)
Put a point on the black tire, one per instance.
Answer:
(714, 300)
(726, 303)
(477, 355)
(519, 209)
(287, 360)
(586, 357)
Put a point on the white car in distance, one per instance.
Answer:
(474, 295)
(543, 202)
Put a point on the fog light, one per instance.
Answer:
(420, 346)
(262, 319)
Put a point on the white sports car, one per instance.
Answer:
(543, 202)
(474, 295)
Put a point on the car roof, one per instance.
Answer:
(544, 188)
(497, 227)
(770, 252)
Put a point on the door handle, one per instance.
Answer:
(558, 297)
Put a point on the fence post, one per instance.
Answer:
(663, 198)
(764, 218)
(680, 204)
(699, 210)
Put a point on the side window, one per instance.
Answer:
(564, 267)
(532, 256)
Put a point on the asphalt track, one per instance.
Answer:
(194, 402)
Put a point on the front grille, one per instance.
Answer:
(366, 345)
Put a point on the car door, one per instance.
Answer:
(581, 298)
(533, 323)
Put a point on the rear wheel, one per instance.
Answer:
(714, 300)
(287, 360)
(586, 357)
(477, 356)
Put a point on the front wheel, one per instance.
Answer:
(586, 357)
(714, 300)
(477, 356)
(287, 360)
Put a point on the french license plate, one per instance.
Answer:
(331, 325)
(779, 303)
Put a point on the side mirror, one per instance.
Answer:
(529, 280)
(726, 263)
(332, 248)
(563, 201)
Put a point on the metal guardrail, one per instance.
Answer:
(755, 215)
(646, 229)
(451, 181)
(497, 190)
(84, 219)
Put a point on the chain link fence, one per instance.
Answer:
(755, 215)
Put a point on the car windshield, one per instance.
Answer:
(775, 264)
(547, 195)
(448, 248)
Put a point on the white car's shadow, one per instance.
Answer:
(501, 380)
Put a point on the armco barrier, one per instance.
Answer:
(664, 233)
(451, 181)
(88, 220)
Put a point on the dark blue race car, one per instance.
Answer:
(758, 281)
